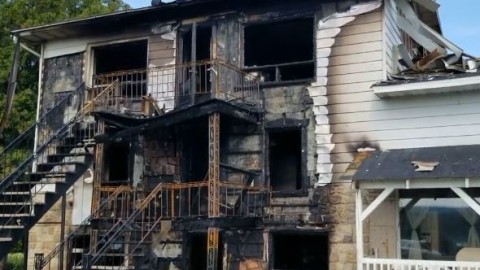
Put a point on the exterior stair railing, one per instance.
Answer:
(66, 243)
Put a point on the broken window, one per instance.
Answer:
(300, 251)
(285, 160)
(280, 51)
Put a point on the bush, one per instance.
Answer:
(14, 261)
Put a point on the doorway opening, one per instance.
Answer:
(117, 157)
(300, 251)
(194, 78)
(198, 251)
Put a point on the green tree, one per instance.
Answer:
(17, 14)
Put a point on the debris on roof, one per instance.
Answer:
(424, 166)
(433, 57)
(450, 162)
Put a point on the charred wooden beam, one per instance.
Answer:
(202, 224)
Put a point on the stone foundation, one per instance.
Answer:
(343, 254)
(46, 234)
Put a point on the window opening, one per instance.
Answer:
(121, 57)
(126, 64)
(280, 51)
(285, 160)
(297, 251)
(437, 224)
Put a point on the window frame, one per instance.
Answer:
(289, 125)
(310, 15)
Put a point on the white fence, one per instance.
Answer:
(397, 264)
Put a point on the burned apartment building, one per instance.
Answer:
(213, 134)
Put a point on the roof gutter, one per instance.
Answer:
(455, 85)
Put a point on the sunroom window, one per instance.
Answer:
(437, 225)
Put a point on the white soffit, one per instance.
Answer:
(469, 83)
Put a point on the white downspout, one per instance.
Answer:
(39, 98)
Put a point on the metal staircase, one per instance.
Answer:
(132, 232)
(125, 242)
(39, 166)
(115, 198)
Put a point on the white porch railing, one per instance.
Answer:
(397, 264)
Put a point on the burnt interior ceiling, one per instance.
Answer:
(117, 159)
(122, 56)
(285, 160)
(281, 45)
(300, 251)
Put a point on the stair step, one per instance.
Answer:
(10, 227)
(14, 196)
(14, 203)
(47, 167)
(13, 193)
(19, 215)
(83, 250)
(50, 175)
(40, 175)
(60, 157)
(107, 267)
(27, 186)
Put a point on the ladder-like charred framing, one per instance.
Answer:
(213, 187)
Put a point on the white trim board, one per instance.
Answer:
(419, 183)
(469, 83)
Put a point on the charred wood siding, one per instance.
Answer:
(161, 50)
(61, 75)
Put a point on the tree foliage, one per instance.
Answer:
(17, 14)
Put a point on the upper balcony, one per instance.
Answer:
(158, 90)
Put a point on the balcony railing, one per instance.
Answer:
(161, 89)
(397, 264)
(191, 200)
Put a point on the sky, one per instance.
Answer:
(457, 17)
